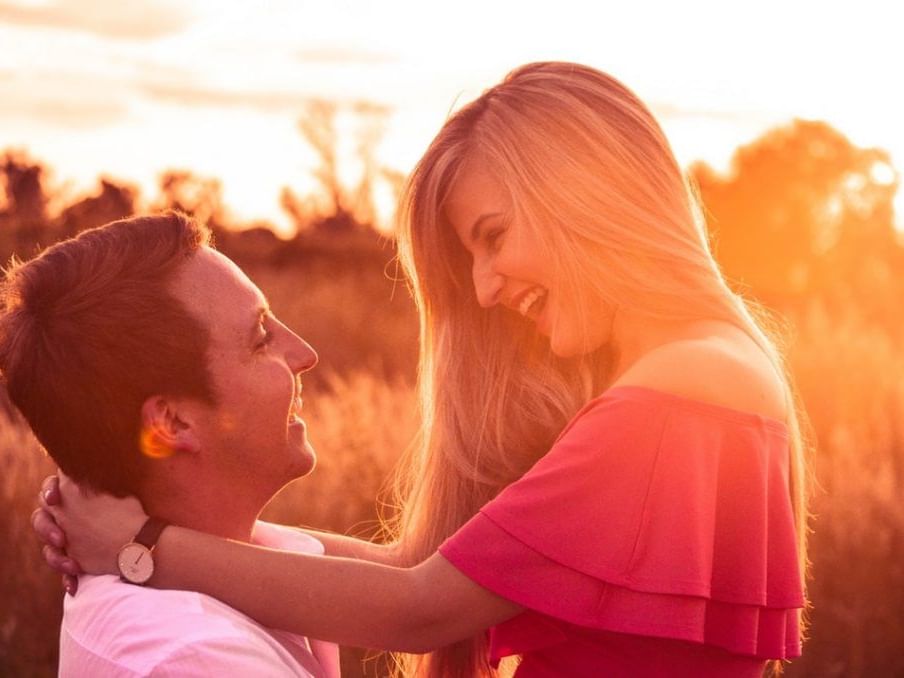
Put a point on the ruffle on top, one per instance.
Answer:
(653, 515)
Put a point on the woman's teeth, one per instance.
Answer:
(530, 300)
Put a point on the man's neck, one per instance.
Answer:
(231, 517)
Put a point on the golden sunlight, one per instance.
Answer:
(289, 128)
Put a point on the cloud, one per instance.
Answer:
(190, 95)
(144, 20)
(716, 114)
(343, 56)
(74, 103)
(267, 101)
(73, 114)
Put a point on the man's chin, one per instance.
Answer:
(304, 460)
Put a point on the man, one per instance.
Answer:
(148, 364)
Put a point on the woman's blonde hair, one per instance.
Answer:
(591, 174)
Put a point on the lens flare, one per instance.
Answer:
(153, 446)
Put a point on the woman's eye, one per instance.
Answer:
(493, 238)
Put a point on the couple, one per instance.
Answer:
(610, 473)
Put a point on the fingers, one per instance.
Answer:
(46, 528)
(50, 492)
(67, 484)
(69, 488)
(59, 561)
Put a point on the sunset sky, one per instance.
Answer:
(129, 89)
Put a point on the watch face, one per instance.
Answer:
(135, 563)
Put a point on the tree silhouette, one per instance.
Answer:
(113, 202)
(197, 196)
(803, 211)
(338, 208)
(23, 219)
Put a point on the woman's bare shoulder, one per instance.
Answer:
(717, 370)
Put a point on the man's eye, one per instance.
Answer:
(265, 340)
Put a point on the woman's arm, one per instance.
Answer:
(343, 546)
(53, 539)
(353, 602)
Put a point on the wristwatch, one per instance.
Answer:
(136, 559)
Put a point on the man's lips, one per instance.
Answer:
(297, 404)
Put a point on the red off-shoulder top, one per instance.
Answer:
(655, 538)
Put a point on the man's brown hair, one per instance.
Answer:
(89, 329)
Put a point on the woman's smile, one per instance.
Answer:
(531, 303)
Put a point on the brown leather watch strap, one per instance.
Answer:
(150, 532)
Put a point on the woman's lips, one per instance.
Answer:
(531, 302)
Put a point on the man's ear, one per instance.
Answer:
(164, 431)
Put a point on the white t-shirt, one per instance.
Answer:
(111, 628)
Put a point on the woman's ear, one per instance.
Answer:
(164, 431)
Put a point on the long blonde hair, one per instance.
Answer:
(590, 172)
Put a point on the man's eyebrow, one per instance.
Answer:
(475, 228)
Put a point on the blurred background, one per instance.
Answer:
(288, 126)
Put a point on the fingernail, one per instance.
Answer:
(68, 588)
(57, 539)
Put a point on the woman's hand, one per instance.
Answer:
(94, 527)
(52, 537)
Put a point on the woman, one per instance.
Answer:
(563, 276)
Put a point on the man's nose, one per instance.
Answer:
(487, 283)
(301, 356)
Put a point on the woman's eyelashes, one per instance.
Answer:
(493, 238)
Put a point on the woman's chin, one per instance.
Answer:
(566, 353)
(563, 347)
(572, 345)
